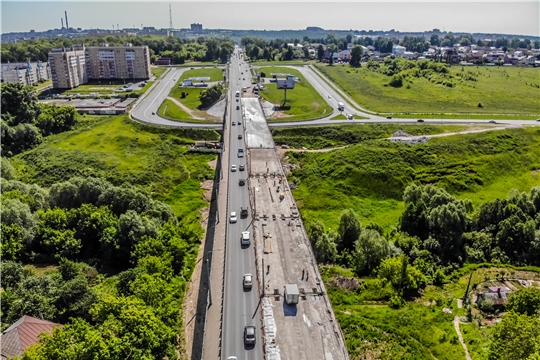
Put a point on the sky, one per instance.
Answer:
(506, 17)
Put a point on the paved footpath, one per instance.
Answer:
(212, 340)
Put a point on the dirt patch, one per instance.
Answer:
(346, 283)
(207, 186)
(278, 114)
(212, 164)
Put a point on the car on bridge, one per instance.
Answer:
(247, 281)
(239, 136)
(233, 217)
(240, 153)
(233, 168)
(249, 335)
(242, 167)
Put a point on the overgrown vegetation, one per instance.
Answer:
(406, 86)
(415, 263)
(315, 137)
(89, 206)
(25, 122)
(371, 176)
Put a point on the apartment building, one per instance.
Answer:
(118, 62)
(126, 62)
(25, 73)
(68, 67)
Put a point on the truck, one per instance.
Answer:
(340, 106)
(291, 294)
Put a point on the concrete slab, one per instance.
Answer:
(257, 132)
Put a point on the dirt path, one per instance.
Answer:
(456, 326)
(185, 108)
(472, 131)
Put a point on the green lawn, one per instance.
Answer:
(303, 102)
(370, 177)
(500, 90)
(43, 84)
(157, 71)
(214, 74)
(121, 150)
(339, 117)
(170, 110)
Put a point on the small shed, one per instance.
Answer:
(291, 294)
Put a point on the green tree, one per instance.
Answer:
(403, 277)
(370, 249)
(12, 245)
(325, 248)
(349, 230)
(320, 52)
(356, 56)
(55, 119)
(525, 301)
(515, 337)
(19, 101)
(209, 96)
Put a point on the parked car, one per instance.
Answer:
(247, 281)
(249, 335)
(233, 217)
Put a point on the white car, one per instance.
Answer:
(233, 167)
(244, 240)
(248, 281)
(233, 217)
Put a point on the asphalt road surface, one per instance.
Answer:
(146, 110)
(239, 305)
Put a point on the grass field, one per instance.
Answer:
(500, 90)
(303, 102)
(370, 177)
(214, 74)
(121, 150)
(170, 110)
(157, 71)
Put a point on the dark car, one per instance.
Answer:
(237, 107)
(241, 168)
(242, 182)
(388, 117)
(239, 136)
(420, 120)
(249, 335)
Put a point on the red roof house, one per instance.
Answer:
(22, 334)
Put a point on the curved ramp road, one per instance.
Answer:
(154, 98)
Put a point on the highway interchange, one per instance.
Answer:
(241, 306)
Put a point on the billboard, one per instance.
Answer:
(287, 83)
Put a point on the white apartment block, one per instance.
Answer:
(111, 62)
(25, 73)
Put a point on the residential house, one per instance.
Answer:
(398, 50)
(344, 55)
(22, 334)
